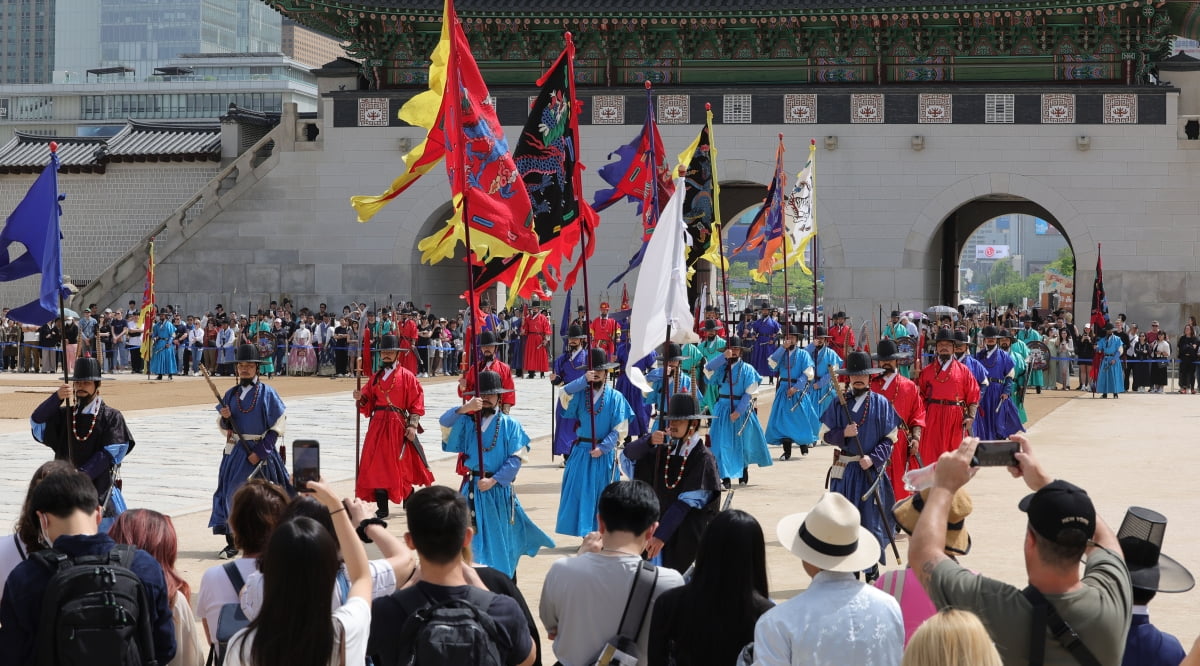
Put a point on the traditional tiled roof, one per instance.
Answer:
(676, 7)
(137, 142)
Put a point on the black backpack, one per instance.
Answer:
(95, 611)
(454, 631)
(231, 619)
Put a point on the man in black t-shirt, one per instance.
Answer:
(439, 529)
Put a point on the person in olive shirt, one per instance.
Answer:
(1063, 527)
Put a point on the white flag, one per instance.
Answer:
(660, 297)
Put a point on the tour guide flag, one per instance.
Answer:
(34, 223)
(547, 155)
(146, 318)
(701, 209)
(660, 298)
(458, 112)
(766, 234)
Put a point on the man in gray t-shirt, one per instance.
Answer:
(584, 597)
(1063, 527)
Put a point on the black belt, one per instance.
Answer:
(731, 397)
(486, 475)
(388, 408)
(593, 440)
(952, 403)
(789, 379)
(996, 379)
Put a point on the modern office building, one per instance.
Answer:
(309, 47)
(26, 41)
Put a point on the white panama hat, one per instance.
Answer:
(830, 537)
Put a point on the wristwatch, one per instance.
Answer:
(361, 530)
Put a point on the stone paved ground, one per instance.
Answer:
(1125, 452)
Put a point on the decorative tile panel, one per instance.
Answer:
(373, 112)
(1121, 109)
(800, 108)
(867, 108)
(608, 110)
(935, 109)
(1058, 108)
(674, 110)
(736, 109)
(999, 108)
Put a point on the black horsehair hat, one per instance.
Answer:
(388, 342)
(489, 384)
(248, 354)
(888, 351)
(488, 339)
(944, 335)
(599, 360)
(1141, 537)
(820, 332)
(684, 407)
(858, 363)
(86, 370)
(674, 353)
(735, 341)
(575, 332)
(990, 331)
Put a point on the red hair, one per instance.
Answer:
(154, 533)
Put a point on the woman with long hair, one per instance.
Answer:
(710, 619)
(1189, 352)
(154, 533)
(26, 538)
(300, 567)
(950, 638)
(1066, 350)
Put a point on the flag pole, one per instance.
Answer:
(725, 302)
(787, 318)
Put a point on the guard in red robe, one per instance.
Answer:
(537, 337)
(710, 314)
(906, 400)
(951, 397)
(841, 336)
(406, 330)
(606, 332)
(488, 361)
(393, 460)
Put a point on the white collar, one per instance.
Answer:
(1141, 609)
(947, 364)
(92, 407)
(246, 389)
(858, 402)
(888, 380)
(387, 372)
(690, 445)
(485, 422)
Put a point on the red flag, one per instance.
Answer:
(368, 365)
(1099, 316)
(624, 296)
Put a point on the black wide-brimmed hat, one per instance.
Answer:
(599, 359)
(86, 370)
(674, 353)
(1005, 333)
(710, 324)
(489, 384)
(1141, 537)
(248, 354)
(839, 315)
(944, 335)
(488, 339)
(735, 341)
(888, 351)
(858, 363)
(895, 313)
(990, 331)
(575, 332)
(960, 337)
(388, 342)
(820, 332)
(684, 407)
(792, 329)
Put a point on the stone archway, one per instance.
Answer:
(442, 283)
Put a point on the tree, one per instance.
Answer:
(1064, 264)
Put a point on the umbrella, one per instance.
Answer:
(968, 301)
(940, 310)
(68, 312)
(912, 315)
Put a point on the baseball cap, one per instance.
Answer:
(1060, 506)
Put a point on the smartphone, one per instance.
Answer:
(996, 453)
(306, 463)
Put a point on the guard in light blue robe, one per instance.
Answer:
(1109, 377)
(822, 392)
(162, 362)
(568, 366)
(503, 531)
(741, 443)
(1034, 378)
(997, 417)
(878, 428)
(640, 423)
(589, 470)
(793, 418)
(678, 382)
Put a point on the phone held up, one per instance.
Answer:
(306, 463)
(996, 453)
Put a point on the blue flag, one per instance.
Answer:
(34, 224)
(565, 326)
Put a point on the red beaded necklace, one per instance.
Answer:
(74, 431)
(682, 468)
(253, 401)
(866, 407)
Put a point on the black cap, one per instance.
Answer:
(86, 370)
(1058, 508)
(599, 359)
(489, 384)
(858, 363)
(248, 354)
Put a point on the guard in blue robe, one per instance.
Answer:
(1109, 376)
(1029, 334)
(792, 419)
(878, 427)
(640, 423)
(737, 443)
(963, 355)
(591, 464)
(766, 341)
(677, 382)
(99, 438)
(997, 417)
(255, 411)
(162, 359)
(1151, 572)
(822, 392)
(568, 366)
(503, 531)
(516, 349)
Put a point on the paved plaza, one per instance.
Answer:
(1132, 451)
